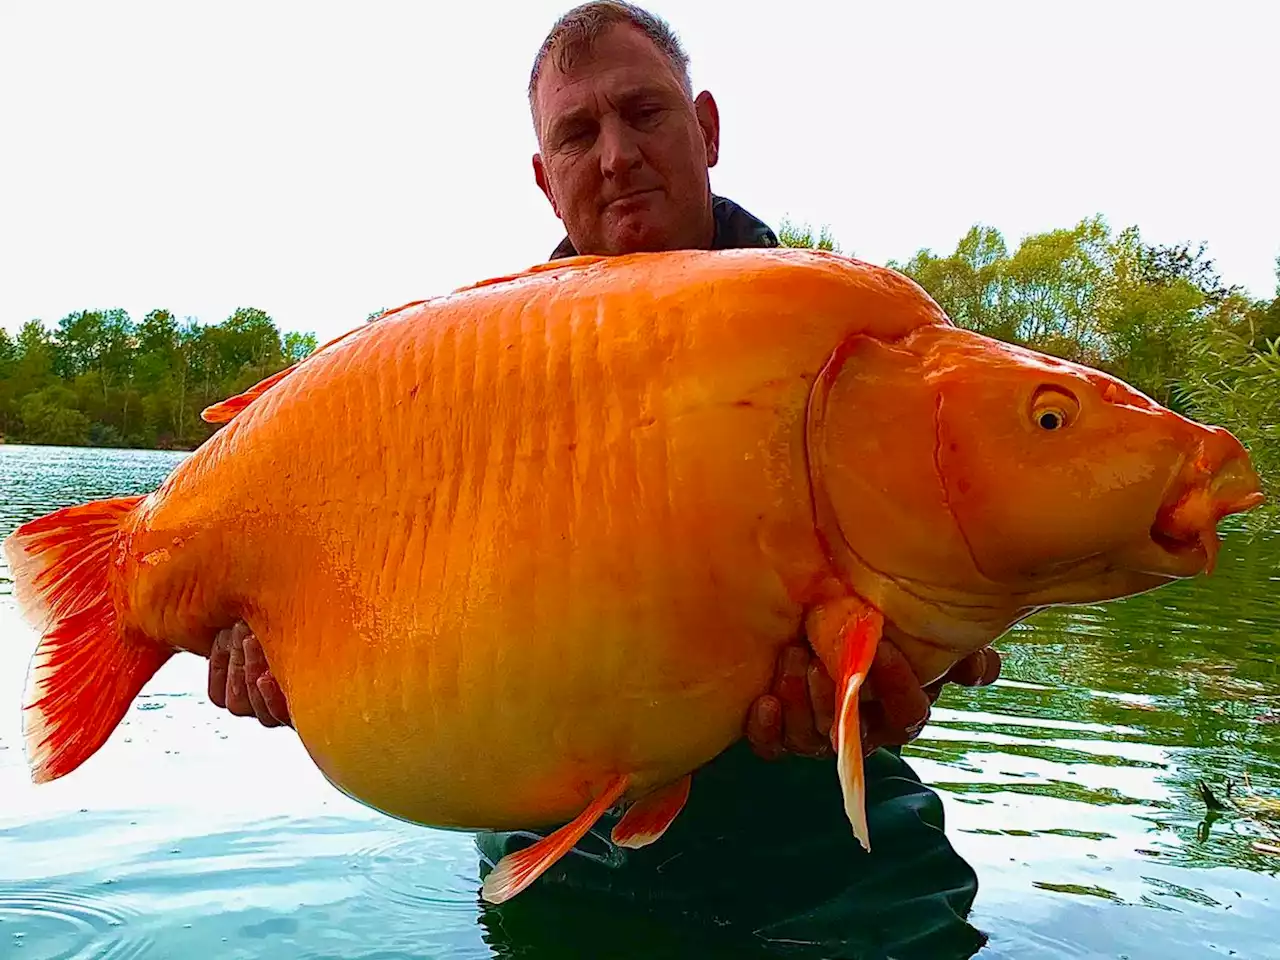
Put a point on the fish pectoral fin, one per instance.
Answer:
(517, 870)
(847, 635)
(858, 648)
(648, 818)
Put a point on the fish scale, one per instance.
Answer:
(523, 552)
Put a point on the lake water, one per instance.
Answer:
(1069, 786)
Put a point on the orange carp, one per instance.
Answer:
(524, 552)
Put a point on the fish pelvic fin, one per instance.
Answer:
(648, 818)
(847, 633)
(517, 870)
(85, 672)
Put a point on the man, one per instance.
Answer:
(625, 150)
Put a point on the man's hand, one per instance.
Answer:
(241, 682)
(796, 717)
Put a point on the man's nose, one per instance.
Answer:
(619, 152)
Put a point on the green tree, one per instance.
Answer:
(8, 353)
(298, 346)
(1159, 302)
(97, 341)
(1232, 377)
(35, 353)
(49, 416)
(157, 344)
(252, 338)
(1054, 289)
(1264, 319)
(8, 363)
(793, 235)
(101, 379)
(30, 369)
(970, 283)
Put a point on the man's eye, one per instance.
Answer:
(574, 136)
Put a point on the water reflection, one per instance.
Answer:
(908, 897)
(1071, 788)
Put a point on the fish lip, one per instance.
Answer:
(1184, 550)
(1186, 524)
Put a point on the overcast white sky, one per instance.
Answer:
(321, 161)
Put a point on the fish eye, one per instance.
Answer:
(1053, 408)
(1052, 419)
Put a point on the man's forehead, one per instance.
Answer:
(589, 98)
(622, 63)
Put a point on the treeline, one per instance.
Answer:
(1159, 317)
(101, 379)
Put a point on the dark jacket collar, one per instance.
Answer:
(735, 228)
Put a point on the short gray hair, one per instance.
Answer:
(575, 33)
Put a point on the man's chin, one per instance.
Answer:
(625, 245)
(638, 233)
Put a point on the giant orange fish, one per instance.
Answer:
(530, 550)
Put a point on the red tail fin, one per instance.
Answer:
(84, 674)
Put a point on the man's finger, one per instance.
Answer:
(764, 727)
(970, 670)
(273, 696)
(934, 690)
(258, 704)
(822, 694)
(255, 667)
(979, 669)
(237, 693)
(993, 662)
(255, 661)
(871, 722)
(219, 658)
(896, 686)
(798, 732)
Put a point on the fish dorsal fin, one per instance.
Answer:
(226, 410)
(551, 266)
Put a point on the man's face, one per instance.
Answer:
(624, 152)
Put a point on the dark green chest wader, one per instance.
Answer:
(761, 861)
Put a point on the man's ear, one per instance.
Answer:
(540, 177)
(709, 121)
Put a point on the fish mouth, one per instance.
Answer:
(1186, 525)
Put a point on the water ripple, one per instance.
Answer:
(69, 925)
(1072, 786)
(416, 869)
